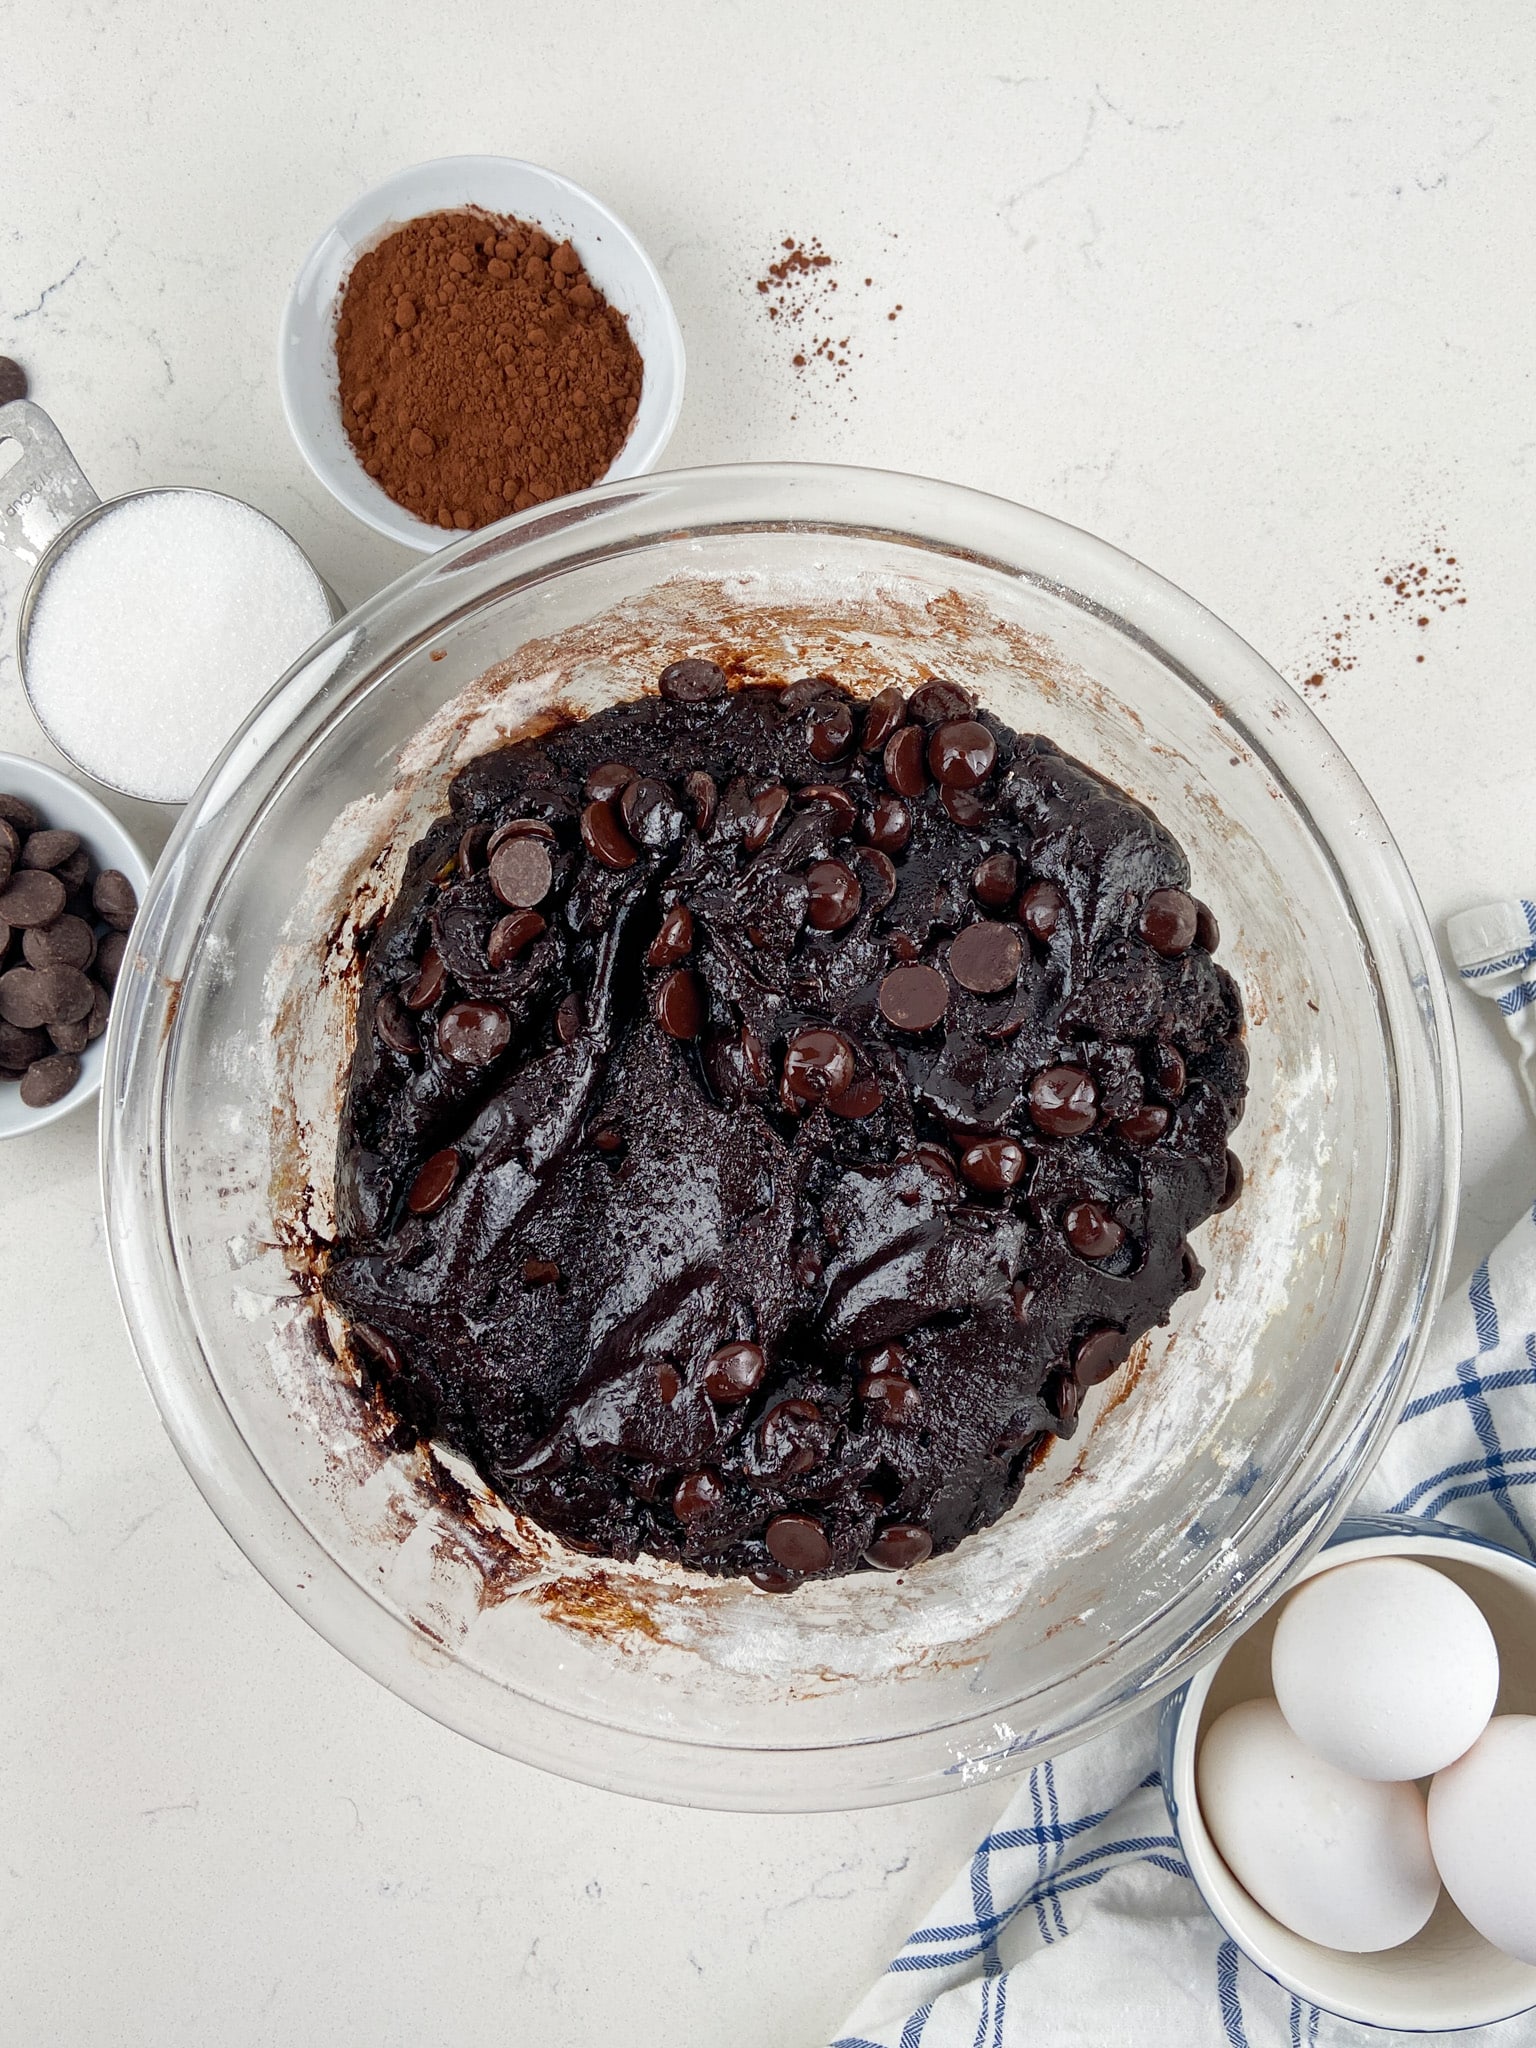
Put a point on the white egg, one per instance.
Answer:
(1385, 1668)
(1344, 1861)
(1482, 1828)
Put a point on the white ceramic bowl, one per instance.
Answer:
(1448, 1976)
(615, 261)
(70, 808)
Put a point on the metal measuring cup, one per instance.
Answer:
(46, 503)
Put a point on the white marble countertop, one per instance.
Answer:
(1244, 291)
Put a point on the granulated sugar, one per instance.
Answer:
(159, 628)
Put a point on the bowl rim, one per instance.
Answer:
(943, 519)
(1362, 1536)
(127, 854)
(361, 222)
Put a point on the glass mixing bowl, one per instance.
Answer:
(1197, 1481)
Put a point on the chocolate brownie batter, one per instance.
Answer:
(770, 1111)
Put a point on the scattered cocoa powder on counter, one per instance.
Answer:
(481, 370)
(1411, 593)
(798, 288)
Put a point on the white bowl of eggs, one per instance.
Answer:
(1354, 1783)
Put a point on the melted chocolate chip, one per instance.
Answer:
(431, 979)
(966, 806)
(1169, 1071)
(674, 941)
(698, 1494)
(887, 710)
(1091, 1231)
(512, 935)
(1232, 1186)
(996, 881)
(605, 838)
(1063, 1101)
(834, 896)
(734, 1372)
(394, 1026)
(649, 812)
(828, 797)
(1168, 921)
(889, 826)
(1143, 1126)
(434, 1184)
(961, 754)
(817, 1064)
(906, 768)
(994, 1164)
(829, 731)
(680, 1004)
(702, 794)
(474, 1034)
(767, 809)
(914, 998)
(606, 781)
(1207, 930)
(1040, 910)
(692, 682)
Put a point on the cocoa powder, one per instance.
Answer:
(481, 370)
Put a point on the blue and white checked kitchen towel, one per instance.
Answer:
(1076, 1921)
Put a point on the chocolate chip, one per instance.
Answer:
(939, 699)
(680, 1004)
(49, 1080)
(540, 1272)
(985, 957)
(606, 781)
(48, 849)
(703, 795)
(473, 1034)
(1092, 1231)
(768, 1578)
(674, 941)
(914, 998)
(887, 711)
(787, 1439)
(737, 1066)
(472, 845)
(817, 1064)
(96, 1022)
(604, 837)
(1063, 1101)
(877, 876)
(734, 1371)
(829, 730)
(1041, 908)
(899, 1546)
(431, 980)
(889, 826)
(649, 812)
(1207, 930)
(606, 1139)
(1097, 1355)
(1169, 1070)
(109, 958)
(834, 896)
(698, 1494)
(1232, 1187)
(13, 380)
(994, 1164)
(906, 768)
(966, 806)
(21, 998)
(115, 898)
(67, 942)
(1143, 1126)
(766, 809)
(434, 1183)
(31, 897)
(69, 1037)
(569, 1018)
(828, 797)
(521, 872)
(1168, 921)
(996, 880)
(74, 873)
(19, 1047)
(692, 682)
(799, 1543)
(884, 1387)
(961, 754)
(393, 1025)
(805, 691)
(18, 813)
(519, 828)
(861, 1098)
(511, 935)
(1191, 1272)
(1063, 1396)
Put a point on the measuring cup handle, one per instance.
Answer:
(42, 493)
